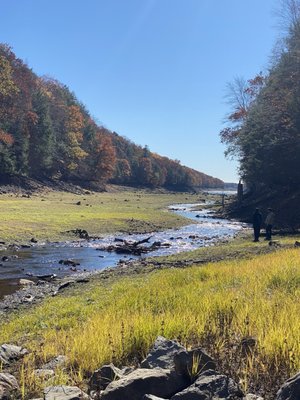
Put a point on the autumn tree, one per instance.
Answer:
(104, 158)
(241, 94)
(265, 135)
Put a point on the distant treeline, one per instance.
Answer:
(264, 122)
(45, 132)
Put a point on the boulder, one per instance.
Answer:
(290, 390)
(56, 362)
(10, 352)
(64, 393)
(191, 363)
(159, 382)
(26, 282)
(44, 373)
(211, 385)
(103, 376)
(162, 354)
(9, 387)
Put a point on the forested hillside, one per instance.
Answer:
(45, 132)
(264, 124)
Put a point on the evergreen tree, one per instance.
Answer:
(41, 138)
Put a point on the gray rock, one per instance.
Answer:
(210, 386)
(157, 381)
(103, 376)
(64, 393)
(9, 387)
(44, 373)
(56, 362)
(189, 363)
(162, 354)
(28, 298)
(290, 390)
(151, 397)
(251, 396)
(10, 353)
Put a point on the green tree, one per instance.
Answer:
(41, 138)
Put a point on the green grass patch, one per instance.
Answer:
(46, 216)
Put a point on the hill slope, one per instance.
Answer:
(45, 132)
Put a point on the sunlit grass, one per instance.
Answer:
(214, 305)
(47, 216)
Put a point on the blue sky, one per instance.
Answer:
(154, 71)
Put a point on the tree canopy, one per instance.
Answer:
(45, 132)
(263, 130)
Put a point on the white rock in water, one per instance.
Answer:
(26, 282)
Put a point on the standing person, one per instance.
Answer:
(269, 223)
(240, 191)
(257, 221)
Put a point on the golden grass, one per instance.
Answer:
(215, 305)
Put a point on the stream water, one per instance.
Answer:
(42, 259)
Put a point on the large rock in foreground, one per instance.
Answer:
(158, 382)
(64, 393)
(162, 354)
(211, 385)
(290, 390)
(9, 387)
(193, 360)
(10, 353)
(103, 376)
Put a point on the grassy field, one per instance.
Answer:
(215, 297)
(48, 215)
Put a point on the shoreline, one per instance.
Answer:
(30, 295)
(34, 287)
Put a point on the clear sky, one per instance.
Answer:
(154, 71)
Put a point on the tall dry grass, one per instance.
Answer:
(216, 306)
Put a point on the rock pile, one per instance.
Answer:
(169, 372)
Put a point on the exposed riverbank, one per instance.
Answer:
(55, 216)
(211, 297)
(45, 269)
(61, 259)
(48, 268)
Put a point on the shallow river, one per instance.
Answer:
(41, 259)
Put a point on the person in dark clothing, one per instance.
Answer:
(257, 221)
(269, 223)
